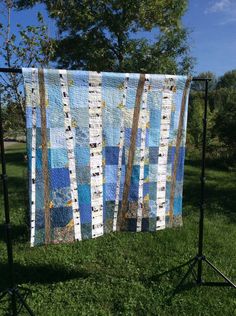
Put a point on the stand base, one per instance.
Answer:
(18, 300)
(198, 278)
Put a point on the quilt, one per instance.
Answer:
(105, 152)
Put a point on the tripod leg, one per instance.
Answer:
(23, 302)
(191, 267)
(13, 303)
(3, 294)
(220, 273)
(176, 268)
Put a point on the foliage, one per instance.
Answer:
(228, 80)
(117, 274)
(221, 123)
(27, 47)
(195, 113)
(104, 35)
(14, 125)
(225, 124)
(200, 85)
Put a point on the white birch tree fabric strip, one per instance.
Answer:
(35, 103)
(143, 124)
(121, 147)
(71, 154)
(167, 98)
(95, 140)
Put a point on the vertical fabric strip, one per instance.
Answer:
(121, 215)
(33, 154)
(44, 155)
(177, 147)
(71, 154)
(95, 142)
(167, 97)
(143, 123)
(121, 146)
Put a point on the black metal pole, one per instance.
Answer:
(19, 71)
(7, 215)
(11, 70)
(202, 198)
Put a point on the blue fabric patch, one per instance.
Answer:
(180, 169)
(128, 137)
(85, 212)
(57, 138)
(133, 193)
(111, 136)
(78, 89)
(84, 191)
(154, 137)
(153, 155)
(135, 174)
(111, 173)
(60, 216)
(59, 178)
(178, 205)
(58, 158)
(111, 155)
(82, 156)
(110, 191)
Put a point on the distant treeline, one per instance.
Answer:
(221, 123)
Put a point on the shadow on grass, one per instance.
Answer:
(17, 174)
(217, 199)
(18, 204)
(220, 193)
(17, 184)
(19, 233)
(176, 272)
(171, 279)
(16, 158)
(42, 274)
(213, 164)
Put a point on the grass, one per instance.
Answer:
(117, 274)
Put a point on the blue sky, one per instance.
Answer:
(213, 37)
(213, 32)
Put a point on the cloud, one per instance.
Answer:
(227, 21)
(226, 9)
(218, 6)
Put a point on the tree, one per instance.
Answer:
(200, 85)
(29, 47)
(221, 123)
(225, 124)
(103, 35)
(228, 80)
(195, 114)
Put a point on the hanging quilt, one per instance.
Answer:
(105, 152)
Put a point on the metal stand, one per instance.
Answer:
(14, 290)
(200, 258)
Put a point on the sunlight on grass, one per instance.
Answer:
(117, 274)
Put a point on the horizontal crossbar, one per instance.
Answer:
(19, 71)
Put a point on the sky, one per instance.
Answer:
(213, 37)
(212, 24)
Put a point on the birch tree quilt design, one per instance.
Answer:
(105, 152)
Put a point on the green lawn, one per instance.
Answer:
(118, 274)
